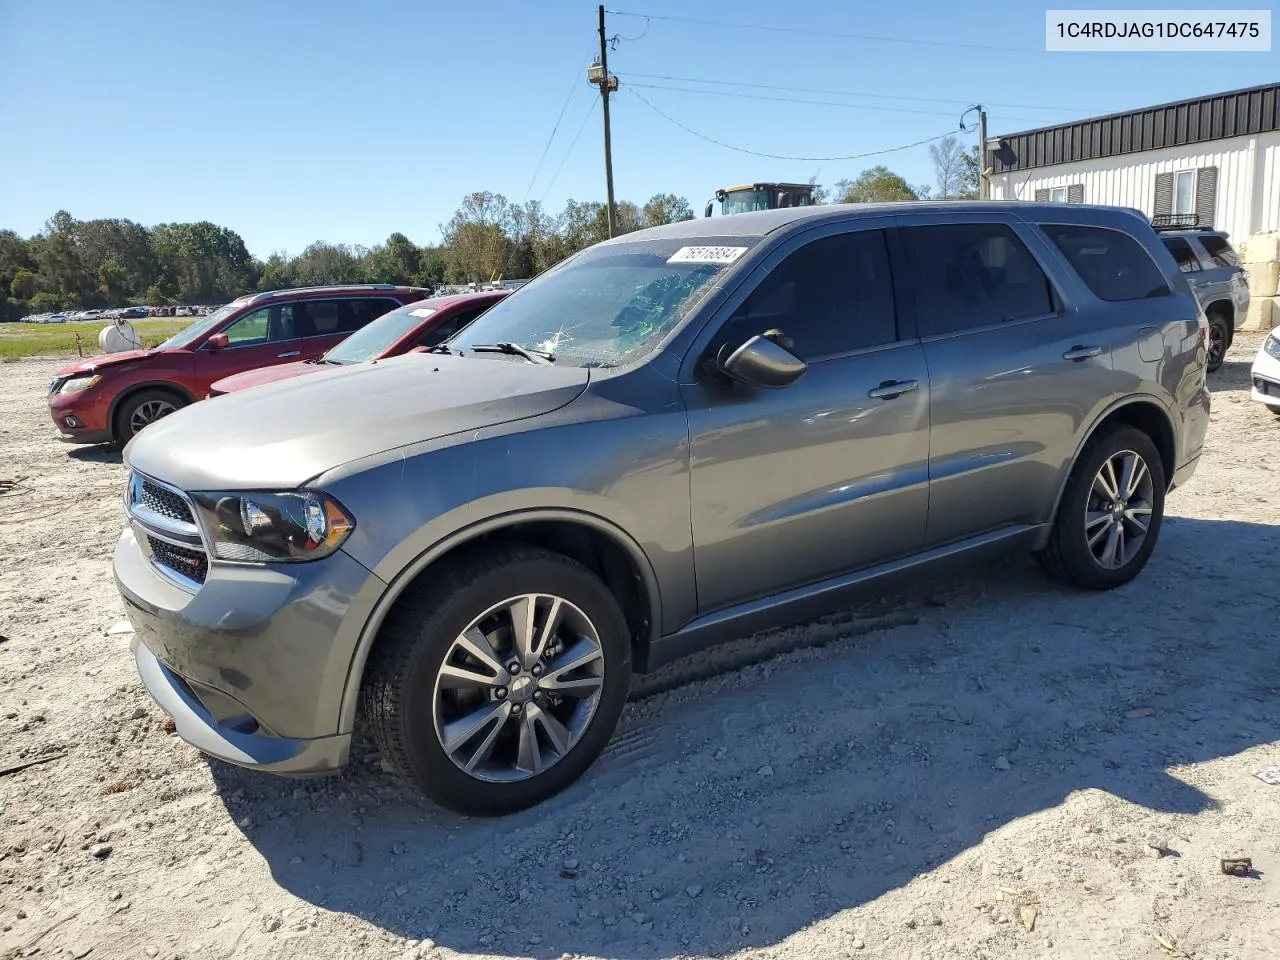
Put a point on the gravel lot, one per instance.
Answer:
(977, 767)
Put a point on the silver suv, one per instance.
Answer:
(670, 439)
(1212, 270)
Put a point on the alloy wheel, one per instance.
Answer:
(1118, 512)
(148, 413)
(518, 688)
(1217, 344)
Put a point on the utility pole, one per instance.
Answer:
(607, 83)
(984, 183)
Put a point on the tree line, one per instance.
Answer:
(75, 264)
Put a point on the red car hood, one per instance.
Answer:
(254, 378)
(108, 360)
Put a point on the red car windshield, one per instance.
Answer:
(371, 340)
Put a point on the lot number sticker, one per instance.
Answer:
(707, 255)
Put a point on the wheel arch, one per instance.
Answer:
(598, 544)
(135, 388)
(1143, 413)
(1227, 309)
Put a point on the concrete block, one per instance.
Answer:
(1262, 315)
(1261, 248)
(1263, 278)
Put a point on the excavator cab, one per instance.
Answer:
(762, 196)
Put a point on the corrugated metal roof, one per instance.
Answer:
(1215, 117)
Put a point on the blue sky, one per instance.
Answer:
(344, 121)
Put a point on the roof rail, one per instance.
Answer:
(1175, 221)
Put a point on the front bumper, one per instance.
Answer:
(238, 740)
(1265, 379)
(252, 666)
(80, 418)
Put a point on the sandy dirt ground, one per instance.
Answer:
(984, 767)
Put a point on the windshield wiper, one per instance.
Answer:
(439, 348)
(514, 350)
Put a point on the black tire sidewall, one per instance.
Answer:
(428, 764)
(1083, 568)
(1217, 321)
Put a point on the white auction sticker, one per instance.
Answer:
(706, 255)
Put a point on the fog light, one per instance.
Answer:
(72, 421)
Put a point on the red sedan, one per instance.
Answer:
(421, 324)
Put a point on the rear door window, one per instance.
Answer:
(362, 311)
(1186, 258)
(1219, 251)
(969, 275)
(1112, 264)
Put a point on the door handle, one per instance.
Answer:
(289, 353)
(1081, 353)
(893, 388)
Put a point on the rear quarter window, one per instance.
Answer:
(1112, 264)
(1220, 251)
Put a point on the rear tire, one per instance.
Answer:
(483, 724)
(143, 409)
(1098, 541)
(1219, 341)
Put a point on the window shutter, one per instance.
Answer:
(1042, 196)
(1206, 195)
(1164, 194)
(1075, 193)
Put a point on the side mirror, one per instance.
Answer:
(218, 341)
(762, 363)
(708, 212)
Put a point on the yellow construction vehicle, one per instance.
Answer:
(762, 196)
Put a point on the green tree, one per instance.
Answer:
(477, 237)
(666, 208)
(877, 184)
(325, 263)
(24, 284)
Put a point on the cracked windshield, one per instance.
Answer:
(607, 306)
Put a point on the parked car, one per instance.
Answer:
(110, 398)
(1211, 267)
(135, 313)
(56, 318)
(1266, 373)
(421, 324)
(675, 437)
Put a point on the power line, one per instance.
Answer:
(820, 103)
(826, 33)
(577, 79)
(573, 143)
(775, 156)
(844, 93)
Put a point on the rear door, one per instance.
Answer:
(1015, 370)
(327, 322)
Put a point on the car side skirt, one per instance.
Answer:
(805, 603)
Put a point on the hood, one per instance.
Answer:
(282, 434)
(255, 378)
(91, 364)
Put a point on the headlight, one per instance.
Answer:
(78, 384)
(1272, 345)
(262, 527)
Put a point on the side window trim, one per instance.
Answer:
(1038, 248)
(747, 286)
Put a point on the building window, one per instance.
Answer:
(1057, 194)
(1184, 192)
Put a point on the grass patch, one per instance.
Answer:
(18, 340)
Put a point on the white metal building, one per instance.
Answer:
(1217, 157)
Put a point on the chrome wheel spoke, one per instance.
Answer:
(1136, 477)
(528, 752)
(1104, 527)
(1105, 483)
(531, 639)
(1109, 548)
(1128, 467)
(1140, 517)
(555, 731)
(455, 735)
(1117, 514)
(474, 642)
(557, 678)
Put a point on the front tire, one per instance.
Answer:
(497, 683)
(1111, 512)
(143, 409)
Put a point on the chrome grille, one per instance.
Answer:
(165, 502)
(192, 564)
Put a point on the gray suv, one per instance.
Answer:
(671, 439)
(1212, 270)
